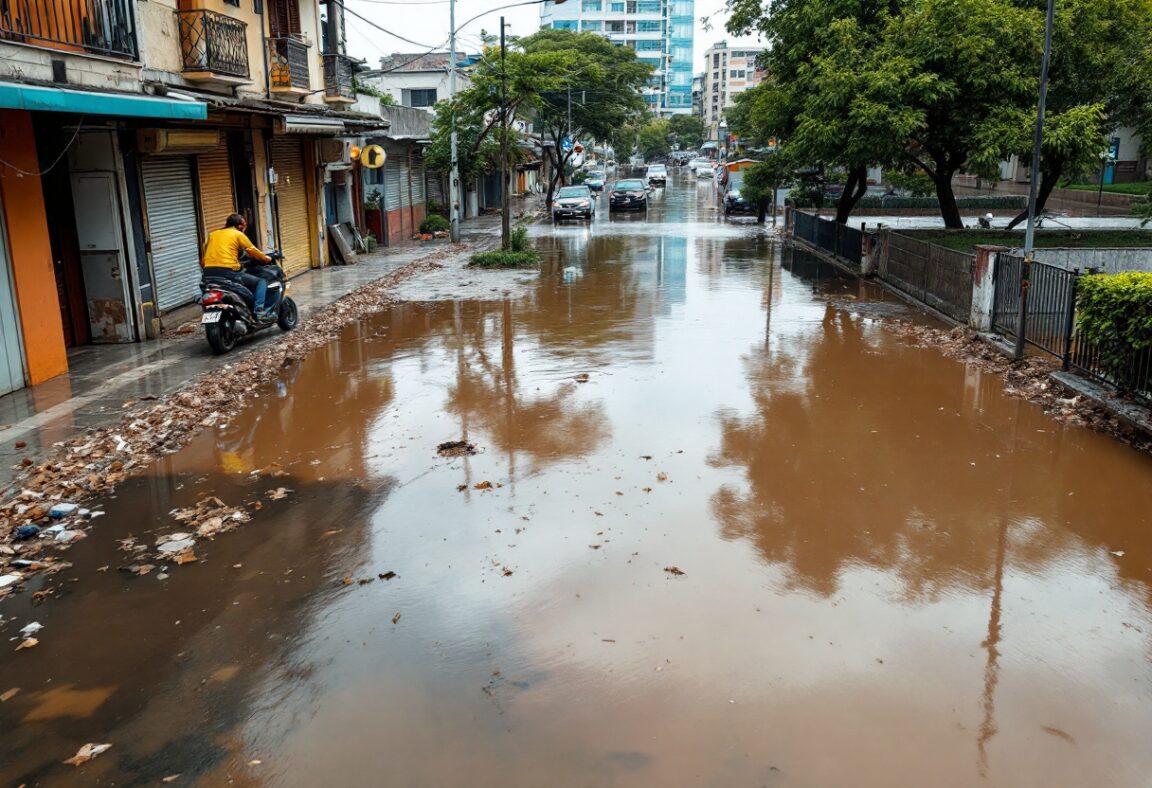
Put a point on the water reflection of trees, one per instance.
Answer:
(895, 460)
(490, 395)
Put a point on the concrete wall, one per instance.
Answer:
(395, 83)
(1109, 261)
(30, 249)
(22, 63)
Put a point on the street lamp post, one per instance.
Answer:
(1104, 159)
(1033, 183)
(454, 168)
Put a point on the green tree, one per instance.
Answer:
(1098, 80)
(653, 138)
(591, 91)
(686, 130)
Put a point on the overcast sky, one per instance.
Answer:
(426, 22)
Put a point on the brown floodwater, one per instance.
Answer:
(893, 574)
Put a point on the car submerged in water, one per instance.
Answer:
(574, 202)
(628, 195)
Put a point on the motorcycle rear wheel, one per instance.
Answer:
(221, 336)
(289, 316)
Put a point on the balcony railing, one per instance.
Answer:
(338, 72)
(100, 27)
(213, 42)
(288, 64)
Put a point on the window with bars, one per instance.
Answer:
(420, 97)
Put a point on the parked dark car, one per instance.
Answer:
(574, 202)
(732, 201)
(628, 195)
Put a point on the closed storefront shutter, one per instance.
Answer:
(392, 183)
(217, 200)
(405, 182)
(417, 177)
(173, 232)
(293, 216)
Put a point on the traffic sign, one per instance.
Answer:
(373, 157)
(566, 144)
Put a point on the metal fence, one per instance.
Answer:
(841, 240)
(934, 275)
(1051, 326)
(103, 27)
(213, 42)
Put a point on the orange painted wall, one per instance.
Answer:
(30, 249)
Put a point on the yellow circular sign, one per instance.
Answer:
(373, 157)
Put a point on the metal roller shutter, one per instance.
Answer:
(292, 212)
(417, 177)
(172, 230)
(392, 183)
(217, 200)
(405, 182)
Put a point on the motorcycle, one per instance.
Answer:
(228, 312)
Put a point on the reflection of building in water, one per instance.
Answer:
(673, 271)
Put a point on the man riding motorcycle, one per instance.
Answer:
(222, 260)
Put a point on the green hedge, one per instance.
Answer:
(435, 224)
(1007, 202)
(1114, 312)
(506, 259)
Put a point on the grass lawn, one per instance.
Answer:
(967, 240)
(1140, 187)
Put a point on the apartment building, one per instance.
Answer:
(728, 73)
(129, 129)
(660, 31)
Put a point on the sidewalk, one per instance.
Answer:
(101, 378)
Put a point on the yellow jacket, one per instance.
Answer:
(224, 247)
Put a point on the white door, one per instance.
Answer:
(11, 346)
(97, 206)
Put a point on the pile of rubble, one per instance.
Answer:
(1029, 379)
(93, 463)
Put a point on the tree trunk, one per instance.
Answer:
(761, 211)
(854, 191)
(1050, 174)
(949, 210)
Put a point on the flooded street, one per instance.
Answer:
(722, 529)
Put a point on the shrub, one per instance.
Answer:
(526, 259)
(434, 224)
(518, 240)
(1114, 312)
(438, 208)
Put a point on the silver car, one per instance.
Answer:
(573, 202)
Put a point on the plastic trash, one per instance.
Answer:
(10, 580)
(31, 629)
(62, 510)
(24, 532)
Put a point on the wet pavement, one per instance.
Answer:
(764, 542)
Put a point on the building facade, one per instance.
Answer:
(660, 31)
(727, 74)
(417, 79)
(129, 129)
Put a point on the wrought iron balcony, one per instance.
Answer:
(99, 27)
(288, 64)
(338, 84)
(214, 45)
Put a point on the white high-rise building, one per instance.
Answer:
(659, 30)
(727, 74)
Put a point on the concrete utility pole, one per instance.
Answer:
(1033, 183)
(454, 170)
(505, 206)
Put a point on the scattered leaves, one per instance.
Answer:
(674, 570)
(28, 643)
(396, 619)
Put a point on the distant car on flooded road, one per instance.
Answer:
(628, 195)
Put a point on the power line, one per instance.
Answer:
(378, 27)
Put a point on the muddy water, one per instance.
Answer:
(893, 574)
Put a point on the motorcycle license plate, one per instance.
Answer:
(211, 317)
